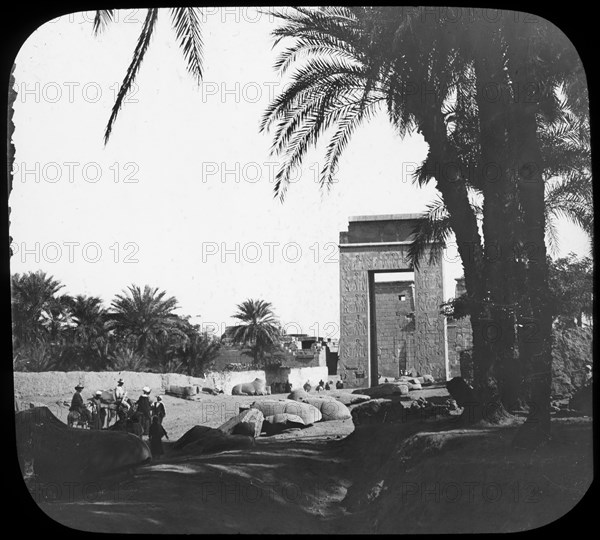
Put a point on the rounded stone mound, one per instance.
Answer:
(307, 412)
(329, 406)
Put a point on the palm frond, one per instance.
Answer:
(552, 235)
(134, 66)
(571, 197)
(101, 20)
(430, 234)
(186, 22)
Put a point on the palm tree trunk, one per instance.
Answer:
(499, 213)
(488, 404)
(536, 342)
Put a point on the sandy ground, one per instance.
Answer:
(213, 411)
(335, 478)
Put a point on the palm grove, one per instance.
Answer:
(500, 98)
(139, 331)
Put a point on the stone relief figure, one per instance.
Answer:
(359, 263)
(355, 326)
(355, 282)
(353, 303)
(358, 350)
(430, 321)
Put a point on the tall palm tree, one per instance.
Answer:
(258, 330)
(186, 23)
(144, 316)
(565, 149)
(432, 74)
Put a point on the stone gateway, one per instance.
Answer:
(389, 326)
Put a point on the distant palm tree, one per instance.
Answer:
(127, 359)
(89, 315)
(35, 356)
(33, 295)
(90, 336)
(186, 23)
(198, 353)
(259, 329)
(143, 317)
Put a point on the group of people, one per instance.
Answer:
(150, 413)
(323, 385)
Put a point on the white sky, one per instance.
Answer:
(185, 185)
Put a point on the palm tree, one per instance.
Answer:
(37, 355)
(56, 318)
(186, 23)
(127, 359)
(259, 329)
(89, 315)
(143, 317)
(90, 336)
(33, 301)
(431, 75)
(565, 147)
(198, 352)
